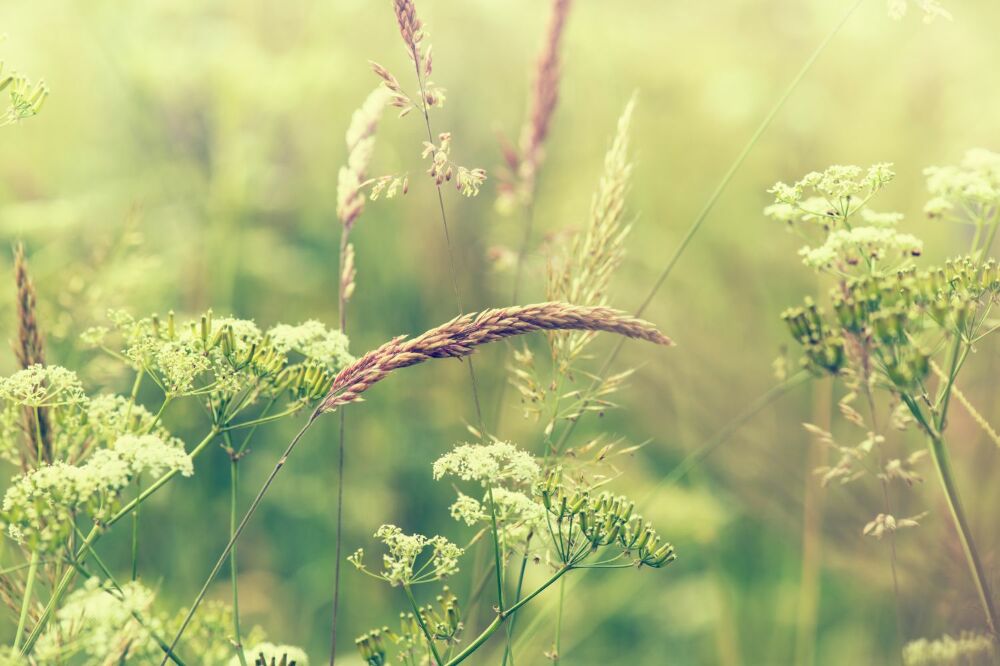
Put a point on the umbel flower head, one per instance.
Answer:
(25, 98)
(39, 508)
(488, 464)
(968, 192)
(222, 356)
(438, 557)
(585, 522)
(895, 313)
(269, 654)
(826, 205)
(98, 622)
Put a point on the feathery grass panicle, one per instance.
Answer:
(518, 184)
(410, 27)
(545, 93)
(30, 351)
(360, 139)
(583, 273)
(460, 337)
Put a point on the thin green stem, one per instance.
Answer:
(239, 529)
(234, 572)
(135, 529)
(559, 621)
(942, 461)
(423, 626)
(497, 556)
(341, 453)
(29, 588)
(508, 652)
(501, 617)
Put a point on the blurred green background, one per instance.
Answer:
(187, 159)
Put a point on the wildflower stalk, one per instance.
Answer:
(508, 652)
(710, 205)
(135, 530)
(498, 557)
(342, 425)
(239, 529)
(423, 626)
(234, 573)
(133, 396)
(29, 588)
(557, 644)
(502, 616)
(942, 463)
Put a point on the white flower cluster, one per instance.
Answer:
(844, 189)
(488, 464)
(505, 471)
(931, 9)
(836, 195)
(42, 386)
(225, 356)
(517, 514)
(862, 245)
(39, 506)
(314, 341)
(271, 653)
(970, 188)
(399, 564)
(98, 622)
(968, 648)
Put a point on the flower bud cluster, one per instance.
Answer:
(601, 520)
(443, 622)
(891, 313)
(223, 357)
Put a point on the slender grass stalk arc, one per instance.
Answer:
(709, 205)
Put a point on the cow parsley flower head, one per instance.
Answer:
(42, 386)
(268, 653)
(314, 341)
(399, 563)
(38, 507)
(488, 464)
(99, 622)
(837, 192)
(969, 190)
(846, 248)
(968, 648)
(152, 455)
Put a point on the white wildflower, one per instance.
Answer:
(403, 550)
(489, 464)
(467, 510)
(314, 341)
(151, 454)
(42, 386)
(967, 648)
(845, 248)
(99, 622)
(275, 653)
